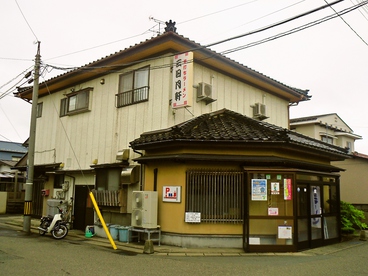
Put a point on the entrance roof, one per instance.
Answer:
(226, 128)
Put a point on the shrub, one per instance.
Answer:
(351, 218)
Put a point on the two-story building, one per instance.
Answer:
(331, 129)
(169, 113)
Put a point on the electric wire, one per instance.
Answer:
(98, 46)
(294, 30)
(209, 14)
(25, 19)
(364, 9)
(351, 28)
(12, 125)
(274, 24)
(222, 41)
(67, 137)
(254, 20)
(232, 50)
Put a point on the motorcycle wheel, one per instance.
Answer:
(44, 226)
(60, 231)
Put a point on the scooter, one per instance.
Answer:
(54, 224)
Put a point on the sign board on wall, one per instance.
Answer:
(182, 94)
(192, 217)
(171, 194)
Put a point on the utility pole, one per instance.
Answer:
(31, 147)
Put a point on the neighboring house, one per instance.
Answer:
(159, 90)
(12, 181)
(332, 129)
(354, 181)
(329, 128)
(11, 151)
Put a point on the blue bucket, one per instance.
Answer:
(114, 231)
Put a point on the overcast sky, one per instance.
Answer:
(330, 59)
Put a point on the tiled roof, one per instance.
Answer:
(228, 126)
(191, 46)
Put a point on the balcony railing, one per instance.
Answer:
(132, 97)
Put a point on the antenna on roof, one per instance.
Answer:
(159, 25)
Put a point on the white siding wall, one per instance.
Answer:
(100, 133)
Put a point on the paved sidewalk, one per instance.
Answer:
(165, 250)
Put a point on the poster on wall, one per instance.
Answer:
(171, 194)
(287, 189)
(259, 189)
(273, 211)
(285, 232)
(275, 188)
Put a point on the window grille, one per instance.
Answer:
(107, 198)
(217, 195)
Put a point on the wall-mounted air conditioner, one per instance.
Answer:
(205, 93)
(144, 209)
(204, 90)
(259, 111)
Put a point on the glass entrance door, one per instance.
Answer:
(309, 215)
(316, 226)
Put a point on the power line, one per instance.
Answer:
(364, 8)
(275, 24)
(89, 68)
(294, 30)
(6, 116)
(217, 12)
(351, 28)
(264, 16)
(25, 19)
(98, 46)
(9, 90)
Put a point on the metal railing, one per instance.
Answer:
(132, 96)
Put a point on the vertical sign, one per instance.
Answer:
(316, 206)
(182, 95)
(287, 189)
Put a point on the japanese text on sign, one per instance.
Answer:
(182, 80)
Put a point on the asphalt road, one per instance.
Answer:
(22, 254)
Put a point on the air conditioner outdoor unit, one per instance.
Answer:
(144, 205)
(204, 90)
(259, 111)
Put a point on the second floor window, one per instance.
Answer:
(133, 87)
(327, 139)
(75, 102)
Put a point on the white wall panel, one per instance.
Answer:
(100, 133)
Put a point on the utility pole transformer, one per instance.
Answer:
(31, 147)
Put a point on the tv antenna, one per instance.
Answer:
(159, 22)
